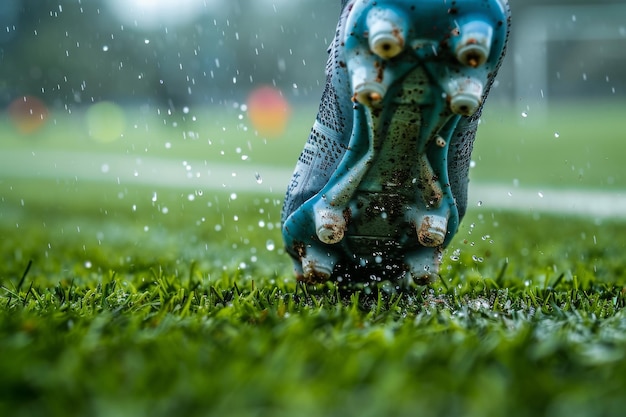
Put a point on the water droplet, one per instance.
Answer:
(557, 135)
(154, 197)
(524, 114)
(258, 178)
(269, 245)
(540, 194)
(480, 203)
(191, 197)
(105, 48)
(165, 210)
(146, 228)
(233, 196)
(104, 168)
(88, 264)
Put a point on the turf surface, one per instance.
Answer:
(144, 301)
(573, 145)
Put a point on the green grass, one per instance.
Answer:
(509, 149)
(112, 304)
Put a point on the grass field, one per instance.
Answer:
(574, 145)
(131, 301)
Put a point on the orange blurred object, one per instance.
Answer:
(28, 113)
(268, 111)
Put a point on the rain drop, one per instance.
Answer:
(258, 178)
(269, 245)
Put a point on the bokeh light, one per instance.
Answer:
(28, 114)
(150, 14)
(268, 111)
(105, 121)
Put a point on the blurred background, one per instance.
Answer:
(75, 52)
(238, 81)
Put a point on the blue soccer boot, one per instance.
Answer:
(381, 185)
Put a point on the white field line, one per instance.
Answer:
(246, 177)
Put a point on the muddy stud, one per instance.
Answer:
(330, 226)
(386, 32)
(317, 266)
(431, 232)
(465, 95)
(473, 44)
(369, 93)
(315, 272)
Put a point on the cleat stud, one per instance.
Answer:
(473, 55)
(386, 45)
(315, 273)
(473, 44)
(370, 93)
(317, 266)
(465, 95)
(423, 267)
(386, 32)
(330, 226)
(464, 104)
(330, 234)
(432, 231)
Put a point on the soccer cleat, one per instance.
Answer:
(381, 185)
